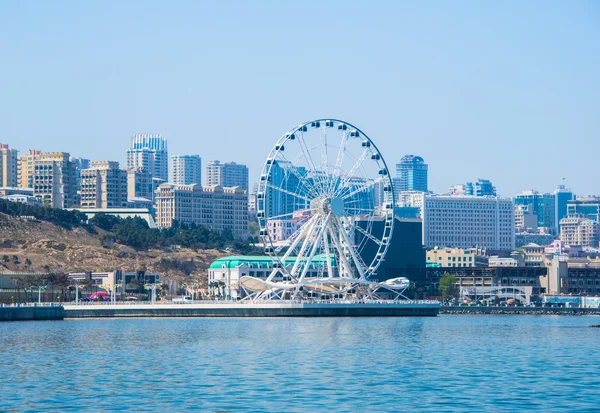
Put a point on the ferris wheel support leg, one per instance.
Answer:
(313, 251)
(303, 234)
(350, 248)
(304, 247)
(345, 270)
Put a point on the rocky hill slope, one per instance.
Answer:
(38, 246)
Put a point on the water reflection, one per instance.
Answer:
(448, 363)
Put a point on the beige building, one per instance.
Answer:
(51, 175)
(578, 230)
(214, 207)
(457, 257)
(525, 219)
(25, 168)
(140, 183)
(103, 185)
(533, 255)
(8, 166)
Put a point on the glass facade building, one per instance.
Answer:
(411, 174)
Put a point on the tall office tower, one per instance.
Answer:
(562, 196)
(228, 174)
(52, 177)
(466, 221)
(411, 174)
(543, 205)
(149, 151)
(214, 207)
(104, 185)
(8, 166)
(25, 168)
(185, 169)
(139, 184)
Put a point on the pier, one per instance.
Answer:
(31, 312)
(265, 309)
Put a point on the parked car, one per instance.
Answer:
(183, 299)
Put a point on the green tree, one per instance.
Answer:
(447, 286)
(5, 258)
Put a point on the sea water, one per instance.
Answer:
(490, 363)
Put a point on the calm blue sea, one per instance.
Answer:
(449, 363)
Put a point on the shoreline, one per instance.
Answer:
(481, 310)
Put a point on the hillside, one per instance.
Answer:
(41, 246)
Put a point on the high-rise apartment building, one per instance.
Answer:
(228, 174)
(25, 168)
(214, 207)
(104, 185)
(465, 221)
(51, 175)
(8, 166)
(185, 169)
(149, 151)
(543, 205)
(411, 174)
(140, 184)
(577, 230)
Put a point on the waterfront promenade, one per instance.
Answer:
(257, 309)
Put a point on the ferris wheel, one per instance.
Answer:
(324, 205)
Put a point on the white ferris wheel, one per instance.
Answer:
(324, 205)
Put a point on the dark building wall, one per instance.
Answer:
(405, 256)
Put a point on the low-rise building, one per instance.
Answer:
(458, 257)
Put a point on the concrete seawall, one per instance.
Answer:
(253, 310)
(32, 313)
(519, 310)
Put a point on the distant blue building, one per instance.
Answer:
(411, 174)
(562, 196)
(541, 204)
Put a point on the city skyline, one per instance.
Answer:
(449, 82)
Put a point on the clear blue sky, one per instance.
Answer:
(505, 90)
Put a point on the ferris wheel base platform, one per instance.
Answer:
(258, 309)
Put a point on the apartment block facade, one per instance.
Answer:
(140, 184)
(8, 166)
(228, 174)
(149, 151)
(465, 221)
(104, 185)
(579, 230)
(214, 207)
(185, 170)
(52, 177)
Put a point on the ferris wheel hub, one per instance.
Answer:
(324, 205)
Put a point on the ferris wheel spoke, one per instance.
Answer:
(367, 234)
(339, 160)
(316, 175)
(324, 155)
(348, 177)
(309, 189)
(285, 191)
(363, 188)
